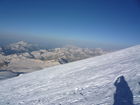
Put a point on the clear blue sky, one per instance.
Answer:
(99, 23)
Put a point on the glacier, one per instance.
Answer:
(85, 82)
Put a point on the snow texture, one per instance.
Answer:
(86, 82)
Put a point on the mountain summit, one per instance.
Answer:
(18, 47)
(104, 80)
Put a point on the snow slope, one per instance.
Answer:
(85, 82)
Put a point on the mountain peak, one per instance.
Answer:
(21, 42)
(18, 47)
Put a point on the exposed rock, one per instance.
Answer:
(62, 60)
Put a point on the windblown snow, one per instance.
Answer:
(86, 82)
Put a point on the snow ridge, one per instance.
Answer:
(86, 82)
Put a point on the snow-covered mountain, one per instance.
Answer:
(110, 79)
(18, 47)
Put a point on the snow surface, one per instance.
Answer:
(85, 82)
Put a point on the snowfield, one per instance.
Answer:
(86, 82)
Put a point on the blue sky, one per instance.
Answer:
(97, 23)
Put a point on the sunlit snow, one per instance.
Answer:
(85, 82)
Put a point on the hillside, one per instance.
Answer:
(101, 80)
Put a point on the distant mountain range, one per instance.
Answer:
(23, 57)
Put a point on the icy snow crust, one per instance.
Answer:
(86, 82)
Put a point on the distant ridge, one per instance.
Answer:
(23, 57)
